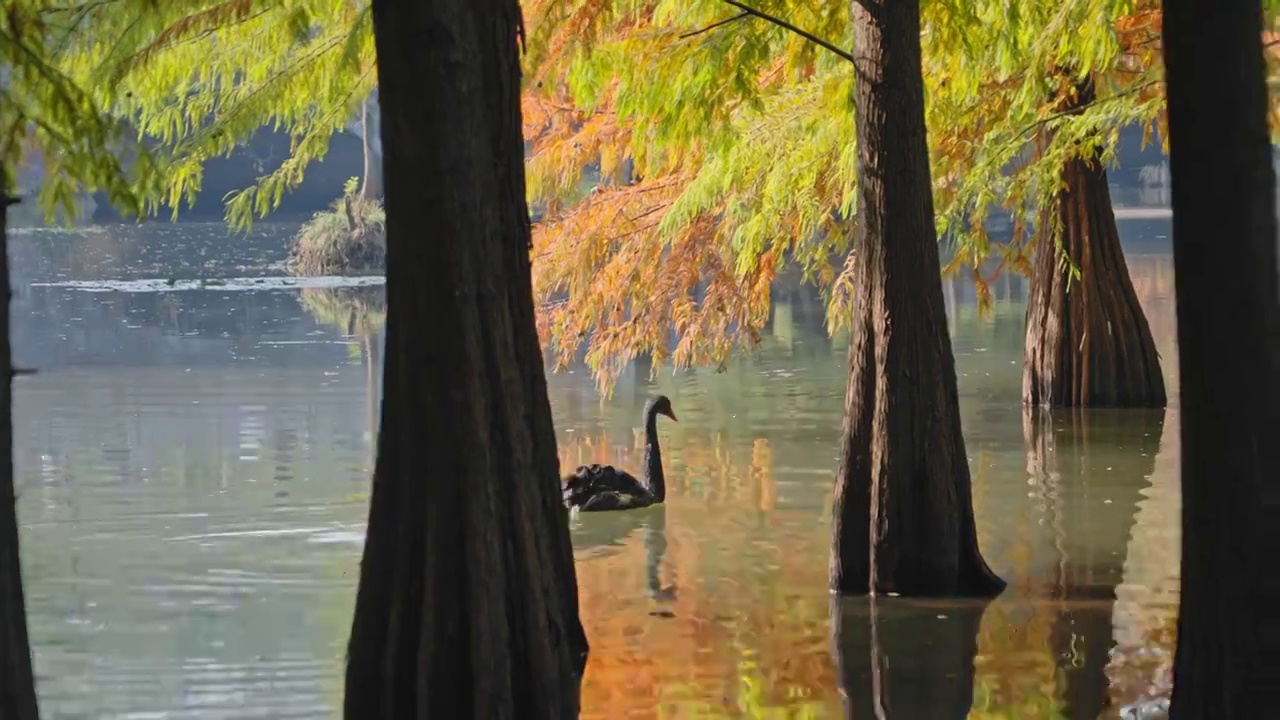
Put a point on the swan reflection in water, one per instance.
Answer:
(599, 533)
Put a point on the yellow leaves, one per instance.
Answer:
(840, 307)
(205, 22)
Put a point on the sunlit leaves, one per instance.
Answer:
(755, 126)
(199, 79)
(730, 130)
(47, 117)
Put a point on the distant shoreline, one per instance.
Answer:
(1142, 212)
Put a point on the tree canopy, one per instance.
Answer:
(197, 80)
(741, 133)
(50, 122)
(721, 134)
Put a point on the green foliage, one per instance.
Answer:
(200, 78)
(48, 115)
(742, 133)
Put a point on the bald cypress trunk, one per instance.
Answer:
(903, 517)
(1087, 342)
(467, 602)
(1228, 305)
(17, 684)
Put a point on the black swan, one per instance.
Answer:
(595, 488)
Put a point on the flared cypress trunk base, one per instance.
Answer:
(1088, 343)
(903, 518)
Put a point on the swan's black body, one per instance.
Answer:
(595, 488)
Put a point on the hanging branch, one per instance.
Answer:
(788, 26)
(714, 25)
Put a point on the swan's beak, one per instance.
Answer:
(671, 414)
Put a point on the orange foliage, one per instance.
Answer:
(631, 289)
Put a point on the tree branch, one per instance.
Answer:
(1132, 90)
(788, 26)
(714, 25)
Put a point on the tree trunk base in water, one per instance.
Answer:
(1088, 343)
(903, 512)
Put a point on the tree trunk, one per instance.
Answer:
(907, 659)
(371, 186)
(903, 512)
(1087, 341)
(467, 601)
(17, 684)
(1224, 243)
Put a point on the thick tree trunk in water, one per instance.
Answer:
(1087, 342)
(467, 603)
(1224, 243)
(900, 658)
(371, 186)
(903, 515)
(17, 684)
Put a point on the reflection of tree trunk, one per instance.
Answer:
(371, 187)
(467, 600)
(1117, 450)
(1224, 243)
(655, 545)
(1082, 642)
(373, 365)
(903, 515)
(17, 685)
(1087, 339)
(906, 659)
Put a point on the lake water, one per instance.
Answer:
(192, 467)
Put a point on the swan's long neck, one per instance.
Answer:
(653, 458)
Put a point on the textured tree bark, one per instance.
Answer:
(903, 512)
(1087, 342)
(1224, 243)
(467, 602)
(901, 658)
(17, 684)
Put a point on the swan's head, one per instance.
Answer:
(660, 405)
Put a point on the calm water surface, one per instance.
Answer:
(193, 477)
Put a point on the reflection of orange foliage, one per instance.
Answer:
(745, 613)
(737, 603)
(748, 630)
(1015, 651)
